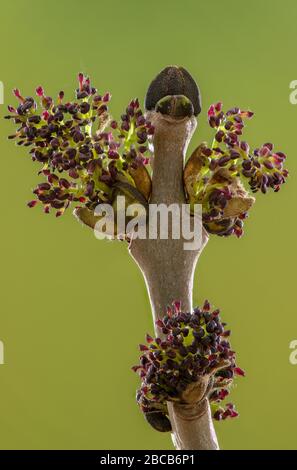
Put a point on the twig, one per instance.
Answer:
(168, 269)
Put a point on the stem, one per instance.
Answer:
(192, 426)
(168, 269)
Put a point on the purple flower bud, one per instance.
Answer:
(244, 146)
(64, 183)
(239, 371)
(140, 121)
(247, 164)
(142, 136)
(32, 203)
(224, 160)
(264, 151)
(82, 94)
(106, 97)
(233, 111)
(52, 178)
(34, 119)
(211, 326)
(149, 339)
(150, 130)
(113, 154)
(212, 121)
(44, 186)
(268, 164)
(11, 109)
(218, 415)
(73, 173)
(234, 155)
(60, 212)
(125, 126)
(219, 136)
(81, 79)
(206, 306)
(84, 107)
(90, 189)
(218, 107)
(39, 91)
(228, 125)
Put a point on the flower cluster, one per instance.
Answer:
(190, 346)
(82, 151)
(263, 167)
(226, 163)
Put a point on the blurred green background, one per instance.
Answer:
(73, 308)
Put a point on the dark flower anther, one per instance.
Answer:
(194, 349)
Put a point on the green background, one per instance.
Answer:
(73, 308)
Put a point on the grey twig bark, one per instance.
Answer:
(168, 269)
